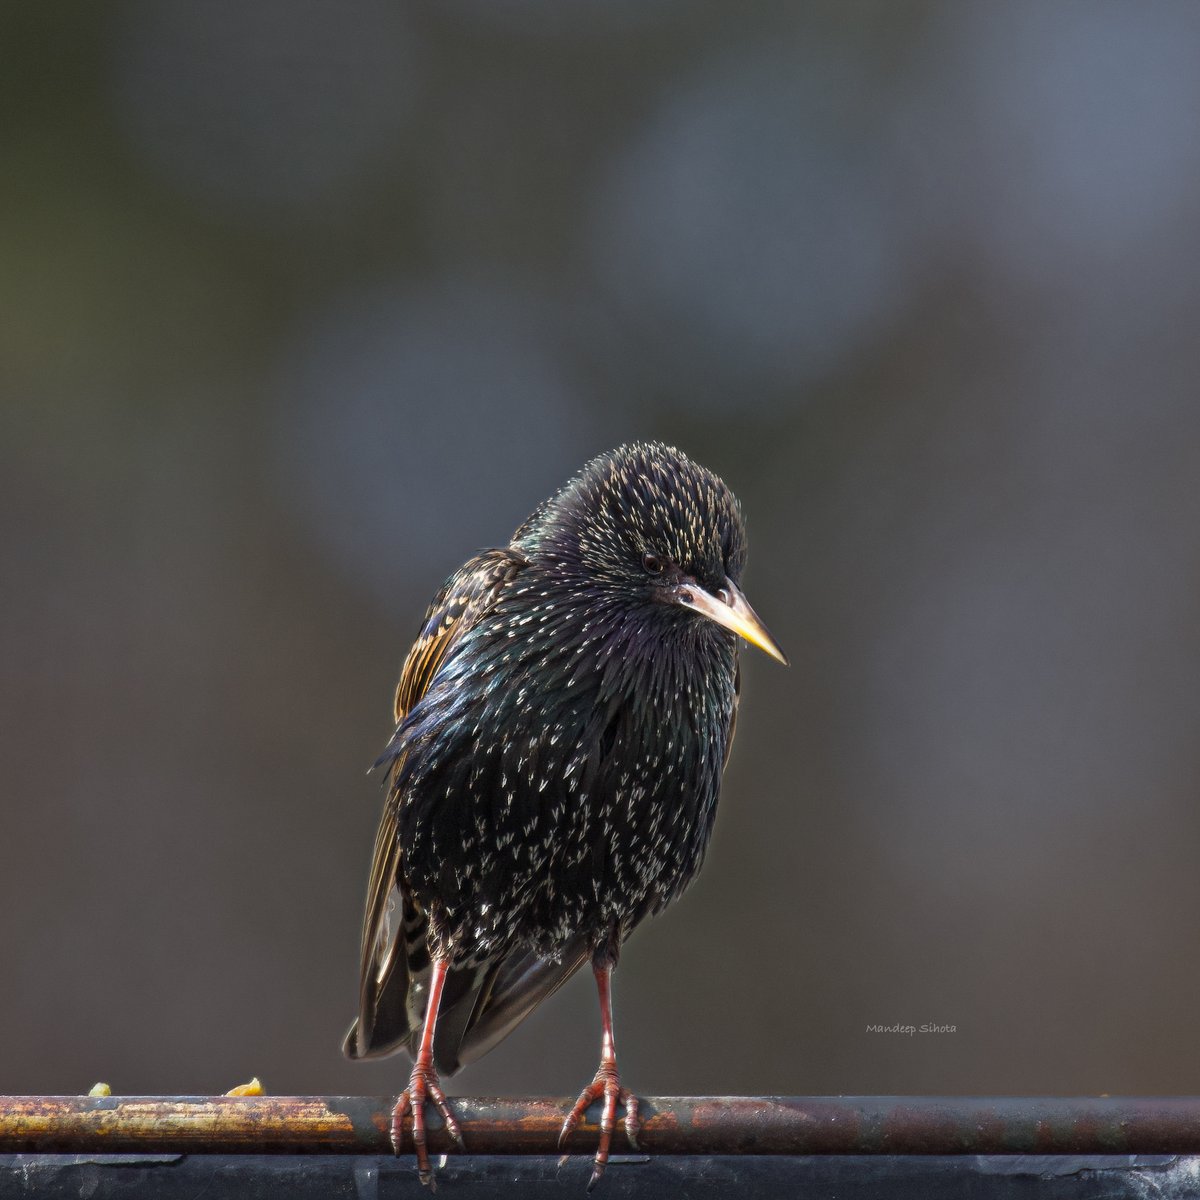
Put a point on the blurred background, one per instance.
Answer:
(304, 301)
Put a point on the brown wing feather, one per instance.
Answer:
(391, 954)
(467, 595)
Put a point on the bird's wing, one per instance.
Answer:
(394, 954)
(467, 595)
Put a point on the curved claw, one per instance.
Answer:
(401, 1107)
(606, 1087)
(633, 1124)
(423, 1088)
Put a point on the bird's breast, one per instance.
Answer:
(563, 789)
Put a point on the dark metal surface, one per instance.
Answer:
(686, 1125)
(332, 1177)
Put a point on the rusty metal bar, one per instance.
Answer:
(672, 1125)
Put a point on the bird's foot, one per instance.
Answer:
(423, 1087)
(607, 1087)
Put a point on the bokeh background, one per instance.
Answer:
(303, 301)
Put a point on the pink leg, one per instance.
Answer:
(424, 1084)
(606, 1085)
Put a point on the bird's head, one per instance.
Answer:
(646, 526)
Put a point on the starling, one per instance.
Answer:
(562, 724)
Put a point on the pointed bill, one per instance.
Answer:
(731, 609)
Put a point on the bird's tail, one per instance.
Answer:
(490, 1003)
(481, 1003)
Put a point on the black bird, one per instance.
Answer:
(563, 721)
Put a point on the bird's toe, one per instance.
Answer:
(423, 1088)
(607, 1088)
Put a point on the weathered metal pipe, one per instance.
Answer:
(670, 1125)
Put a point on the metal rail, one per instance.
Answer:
(671, 1125)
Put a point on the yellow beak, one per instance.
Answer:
(730, 609)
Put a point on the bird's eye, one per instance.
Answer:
(653, 564)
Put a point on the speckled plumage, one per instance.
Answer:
(557, 760)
